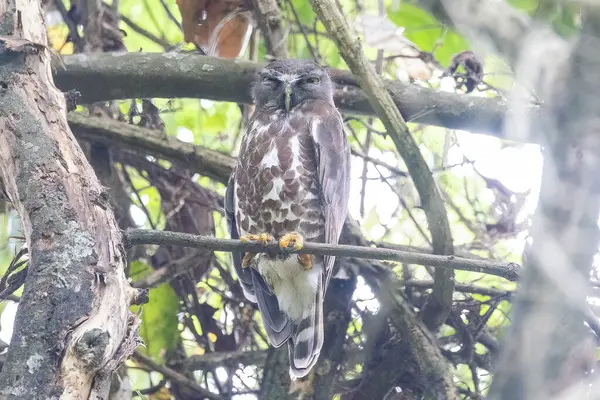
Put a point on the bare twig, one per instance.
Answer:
(269, 20)
(147, 34)
(175, 376)
(508, 270)
(225, 359)
(464, 288)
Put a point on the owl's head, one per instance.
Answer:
(284, 84)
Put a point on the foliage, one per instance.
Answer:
(202, 311)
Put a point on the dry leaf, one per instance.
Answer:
(220, 27)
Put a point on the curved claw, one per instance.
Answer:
(262, 238)
(305, 260)
(291, 240)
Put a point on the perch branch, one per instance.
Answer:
(507, 270)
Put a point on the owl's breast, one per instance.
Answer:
(277, 187)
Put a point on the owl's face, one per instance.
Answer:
(284, 84)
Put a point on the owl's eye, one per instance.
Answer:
(313, 79)
(267, 78)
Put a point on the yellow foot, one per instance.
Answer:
(263, 238)
(306, 261)
(291, 240)
(248, 259)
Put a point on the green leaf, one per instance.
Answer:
(159, 328)
(525, 5)
(426, 31)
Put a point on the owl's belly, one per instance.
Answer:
(294, 286)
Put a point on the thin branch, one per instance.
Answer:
(496, 22)
(224, 359)
(175, 376)
(464, 288)
(508, 270)
(268, 14)
(147, 34)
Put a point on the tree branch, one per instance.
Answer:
(110, 132)
(102, 77)
(231, 359)
(508, 270)
(439, 304)
(503, 26)
(269, 19)
(175, 376)
(147, 34)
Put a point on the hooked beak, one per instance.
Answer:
(288, 95)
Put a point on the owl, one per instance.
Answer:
(290, 185)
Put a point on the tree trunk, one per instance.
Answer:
(73, 327)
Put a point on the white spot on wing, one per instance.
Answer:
(295, 145)
(275, 190)
(271, 158)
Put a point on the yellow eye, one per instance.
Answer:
(313, 79)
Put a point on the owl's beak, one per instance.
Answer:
(287, 90)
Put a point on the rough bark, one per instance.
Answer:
(101, 77)
(73, 326)
(269, 19)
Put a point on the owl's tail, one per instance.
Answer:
(305, 344)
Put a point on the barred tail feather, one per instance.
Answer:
(306, 342)
(277, 325)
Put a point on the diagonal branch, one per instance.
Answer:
(507, 270)
(439, 305)
(268, 14)
(175, 376)
(110, 132)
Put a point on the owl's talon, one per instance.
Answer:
(248, 258)
(291, 240)
(262, 238)
(306, 261)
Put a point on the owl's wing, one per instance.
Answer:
(332, 157)
(333, 167)
(276, 323)
(244, 275)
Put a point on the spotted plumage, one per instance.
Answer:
(292, 181)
